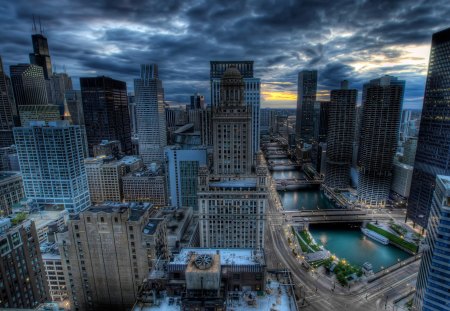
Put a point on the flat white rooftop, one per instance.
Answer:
(228, 256)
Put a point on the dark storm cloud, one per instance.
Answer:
(355, 40)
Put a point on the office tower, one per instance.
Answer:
(197, 101)
(8, 159)
(306, 97)
(23, 282)
(146, 186)
(232, 199)
(133, 114)
(382, 105)
(105, 174)
(252, 92)
(41, 54)
(182, 174)
(109, 148)
(8, 111)
(73, 112)
(320, 135)
(323, 121)
(341, 127)
(432, 287)
(60, 84)
(52, 164)
(28, 83)
(401, 178)
(409, 150)
(108, 251)
(432, 155)
(105, 109)
(11, 191)
(56, 279)
(150, 115)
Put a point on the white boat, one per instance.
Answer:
(375, 236)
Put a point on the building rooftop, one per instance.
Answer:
(136, 209)
(228, 256)
(5, 175)
(235, 184)
(152, 225)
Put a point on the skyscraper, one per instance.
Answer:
(252, 92)
(60, 84)
(341, 126)
(23, 282)
(52, 164)
(41, 54)
(28, 83)
(382, 105)
(105, 108)
(433, 147)
(433, 288)
(232, 200)
(108, 251)
(150, 115)
(197, 101)
(8, 111)
(306, 97)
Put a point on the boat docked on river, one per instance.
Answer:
(375, 236)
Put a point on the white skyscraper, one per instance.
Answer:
(150, 115)
(52, 164)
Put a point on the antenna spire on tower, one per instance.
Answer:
(34, 25)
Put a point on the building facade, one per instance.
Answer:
(146, 186)
(8, 110)
(105, 108)
(22, 282)
(150, 115)
(401, 178)
(252, 93)
(382, 106)
(433, 288)
(52, 164)
(306, 98)
(56, 279)
(11, 191)
(108, 251)
(432, 156)
(341, 126)
(105, 174)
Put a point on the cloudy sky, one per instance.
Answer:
(343, 39)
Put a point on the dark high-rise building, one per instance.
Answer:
(23, 283)
(433, 147)
(41, 54)
(29, 85)
(8, 111)
(382, 105)
(105, 108)
(306, 97)
(323, 121)
(197, 101)
(341, 126)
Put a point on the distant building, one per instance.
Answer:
(401, 179)
(11, 191)
(105, 175)
(341, 126)
(306, 97)
(41, 54)
(60, 84)
(105, 108)
(150, 115)
(432, 287)
(108, 148)
(109, 250)
(52, 164)
(8, 159)
(20, 259)
(8, 110)
(432, 156)
(382, 105)
(252, 93)
(146, 186)
(29, 86)
(409, 150)
(197, 101)
(182, 175)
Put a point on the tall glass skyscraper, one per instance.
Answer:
(306, 98)
(150, 115)
(8, 111)
(341, 126)
(433, 147)
(52, 164)
(41, 54)
(382, 106)
(433, 286)
(105, 108)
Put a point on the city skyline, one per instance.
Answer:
(382, 38)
